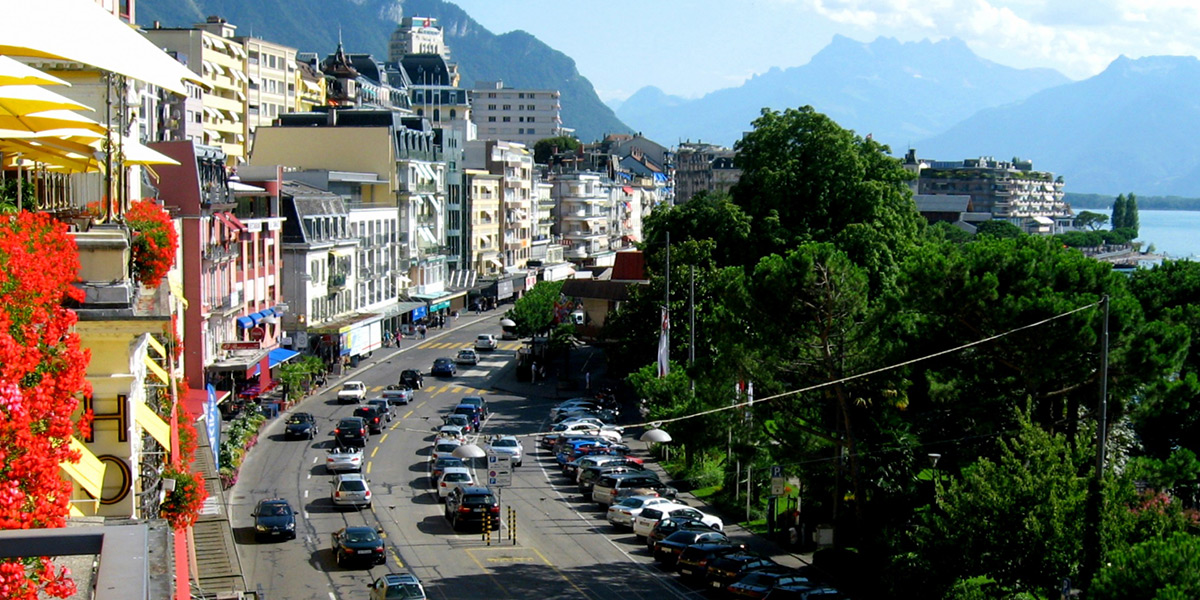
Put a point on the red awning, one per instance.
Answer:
(234, 222)
(627, 189)
(193, 400)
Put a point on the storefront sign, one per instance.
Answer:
(257, 333)
(439, 306)
(242, 346)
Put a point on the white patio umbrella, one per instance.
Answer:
(15, 72)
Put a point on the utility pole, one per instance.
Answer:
(1094, 509)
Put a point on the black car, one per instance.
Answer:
(384, 407)
(668, 549)
(358, 545)
(756, 584)
(412, 378)
(274, 519)
(724, 570)
(472, 505)
(670, 525)
(300, 425)
(371, 416)
(693, 561)
(803, 592)
(351, 432)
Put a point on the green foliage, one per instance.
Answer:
(806, 179)
(948, 232)
(534, 313)
(545, 148)
(1120, 210)
(1017, 519)
(1158, 569)
(1090, 220)
(297, 375)
(998, 229)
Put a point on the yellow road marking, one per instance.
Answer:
(560, 573)
(396, 557)
(406, 415)
(488, 571)
(381, 440)
(418, 406)
(374, 450)
(368, 468)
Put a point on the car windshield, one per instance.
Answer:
(449, 461)
(404, 590)
(479, 500)
(444, 447)
(456, 477)
(358, 537)
(296, 420)
(275, 510)
(353, 485)
(505, 443)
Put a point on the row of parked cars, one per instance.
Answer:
(585, 442)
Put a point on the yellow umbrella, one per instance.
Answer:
(20, 100)
(48, 123)
(50, 155)
(15, 72)
(81, 31)
(136, 153)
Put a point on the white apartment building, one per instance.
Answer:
(513, 162)
(517, 115)
(271, 89)
(584, 209)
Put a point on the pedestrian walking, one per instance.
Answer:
(587, 380)
(421, 330)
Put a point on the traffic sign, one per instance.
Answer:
(777, 482)
(499, 470)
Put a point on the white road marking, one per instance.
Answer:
(306, 493)
(314, 460)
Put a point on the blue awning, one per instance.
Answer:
(281, 355)
(245, 322)
(256, 317)
(660, 177)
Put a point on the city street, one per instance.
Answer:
(564, 548)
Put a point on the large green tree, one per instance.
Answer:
(806, 179)
(544, 149)
(535, 312)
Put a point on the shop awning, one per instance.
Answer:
(281, 355)
(245, 322)
(152, 423)
(235, 222)
(88, 472)
(499, 265)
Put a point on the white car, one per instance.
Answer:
(467, 357)
(485, 341)
(352, 391)
(508, 445)
(445, 447)
(451, 478)
(624, 512)
(645, 521)
(350, 490)
(452, 432)
(341, 460)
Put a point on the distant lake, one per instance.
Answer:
(1175, 233)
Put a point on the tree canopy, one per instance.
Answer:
(545, 148)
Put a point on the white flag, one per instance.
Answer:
(664, 345)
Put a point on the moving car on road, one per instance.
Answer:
(274, 518)
(467, 357)
(383, 407)
(343, 459)
(371, 416)
(393, 586)
(398, 394)
(485, 341)
(358, 545)
(350, 490)
(300, 425)
(412, 378)
(476, 401)
(351, 392)
(351, 432)
(443, 367)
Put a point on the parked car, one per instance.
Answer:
(485, 341)
(273, 519)
(412, 378)
(803, 592)
(670, 525)
(445, 447)
(351, 432)
(398, 394)
(383, 407)
(350, 489)
(476, 401)
(358, 545)
(573, 404)
(397, 586)
(509, 445)
(352, 391)
(755, 585)
(371, 416)
(342, 459)
(573, 468)
(453, 477)
(668, 549)
(726, 569)
(693, 561)
(587, 477)
(622, 513)
(645, 521)
(440, 465)
(472, 505)
(443, 367)
(466, 357)
(300, 425)
(606, 487)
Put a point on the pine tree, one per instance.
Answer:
(1119, 212)
(1131, 213)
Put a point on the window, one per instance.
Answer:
(521, 95)
(507, 119)
(492, 95)
(507, 107)
(530, 119)
(491, 119)
(491, 107)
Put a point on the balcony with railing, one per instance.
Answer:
(336, 281)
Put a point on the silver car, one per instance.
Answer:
(400, 395)
(508, 445)
(350, 490)
(341, 460)
(624, 512)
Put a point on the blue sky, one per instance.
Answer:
(692, 47)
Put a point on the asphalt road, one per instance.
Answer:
(563, 548)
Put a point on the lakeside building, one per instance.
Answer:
(980, 189)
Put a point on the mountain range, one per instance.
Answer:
(364, 26)
(898, 92)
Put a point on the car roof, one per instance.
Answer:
(360, 529)
(348, 476)
(273, 501)
(465, 398)
(401, 578)
(475, 490)
(349, 420)
(457, 470)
